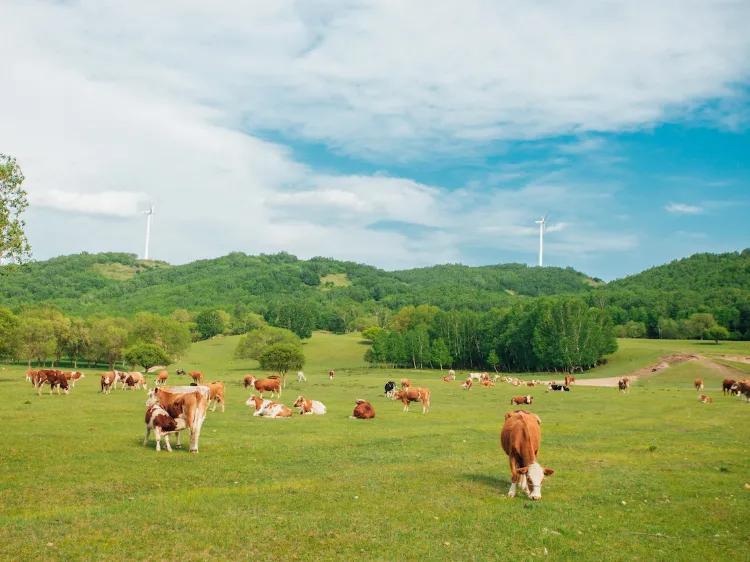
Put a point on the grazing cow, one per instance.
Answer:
(108, 381)
(521, 437)
(558, 387)
(309, 406)
(521, 400)
(267, 408)
(363, 410)
(186, 403)
(73, 377)
(390, 389)
(216, 394)
(698, 383)
(405, 383)
(623, 384)
(159, 420)
(476, 376)
(530, 383)
(467, 384)
(411, 394)
(726, 386)
(301, 377)
(161, 378)
(569, 379)
(271, 384)
(742, 388)
(247, 380)
(55, 379)
(331, 374)
(30, 374)
(135, 380)
(197, 376)
(180, 372)
(705, 399)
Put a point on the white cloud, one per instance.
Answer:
(107, 203)
(683, 209)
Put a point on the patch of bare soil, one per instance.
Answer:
(737, 358)
(664, 363)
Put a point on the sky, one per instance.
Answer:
(399, 134)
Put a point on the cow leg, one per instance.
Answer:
(166, 442)
(222, 406)
(513, 477)
(213, 409)
(145, 439)
(194, 436)
(157, 435)
(178, 444)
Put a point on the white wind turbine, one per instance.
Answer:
(541, 222)
(149, 213)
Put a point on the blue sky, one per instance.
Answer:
(396, 134)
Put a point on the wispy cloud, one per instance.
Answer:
(106, 203)
(683, 209)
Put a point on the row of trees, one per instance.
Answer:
(276, 349)
(557, 333)
(45, 335)
(701, 325)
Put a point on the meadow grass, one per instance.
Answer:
(649, 475)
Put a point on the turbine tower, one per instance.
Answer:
(149, 214)
(541, 222)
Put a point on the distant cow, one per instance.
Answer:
(521, 437)
(108, 381)
(55, 379)
(331, 374)
(569, 379)
(389, 389)
(73, 377)
(467, 384)
(452, 374)
(187, 403)
(521, 400)
(487, 382)
(742, 388)
(363, 410)
(267, 408)
(405, 383)
(216, 394)
(301, 377)
(698, 383)
(30, 374)
(162, 424)
(705, 399)
(197, 376)
(309, 406)
(409, 394)
(135, 380)
(477, 376)
(448, 377)
(726, 386)
(271, 384)
(180, 372)
(558, 387)
(161, 378)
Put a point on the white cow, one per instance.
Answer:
(301, 377)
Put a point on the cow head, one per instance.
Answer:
(254, 402)
(534, 475)
(299, 401)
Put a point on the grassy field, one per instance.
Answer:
(651, 475)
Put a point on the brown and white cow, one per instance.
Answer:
(30, 374)
(162, 424)
(197, 376)
(161, 378)
(522, 400)
(135, 380)
(698, 384)
(405, 383)
(414, 394)
(73, 377)
(742, 388)
(268, 408)
(216, 394)
(726, 386)
(467, 384)
(487, 382)
(54, 378)
(331, 374)
(309, 406)
(623, 384)
(185, 402)
(108, 381)
(705, 399)
(521, 437)
(265, 385)
(363, 410)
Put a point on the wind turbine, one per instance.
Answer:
(149, 213)
(541, 222)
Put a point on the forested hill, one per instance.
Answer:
(121, 284)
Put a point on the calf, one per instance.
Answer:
(108, 381)
(186, 403)
(159, 420)
(216, 394)
(267, 408)
(265, 385)
(705, 399)
(301, 377)
(467, 384)
(331, 374)
(73, 377)
(363, 410)
(309, 406)
(558, 387)
(390, 389)
(521, 400)
(698, 383)
(521, 437)
(409, 394)
(161, 378)
(726, 386)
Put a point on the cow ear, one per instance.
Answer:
(523, 470)
(548, 472)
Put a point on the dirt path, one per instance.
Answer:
(664, 363)
(737, 358)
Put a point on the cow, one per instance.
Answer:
(55, 379)
(184, 402)
(363, 410)
(405, 383)
(267, 408)
(558, 387)
(272, 384)
(390, 389)
(162, 424)
(180, 372)
(301, 377)
(742, 388)
(569, 379)
(108, 381)
(467, 384)
(452, 374)
(521, 400)
(698, 384)
(135, 380)
(705, 399)
(331, 374)
(726, 386)
(487, 382)
(73, 377)
(247, 380)
(197, 376)
(531, 383)
(216, 394)
(410, 394)
(161, 378)
(476, 376)
(623, 385)
(448, 377)
(520, 438)
(309, 406)
(30, 374)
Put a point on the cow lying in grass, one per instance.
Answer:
(521, 400)
(363, 410)
(309, 406)
(271, 384)
(410, 394)
(705, 399)
(267, 408)
(185, 402)
(521, 437)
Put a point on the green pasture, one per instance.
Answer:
(649, 475)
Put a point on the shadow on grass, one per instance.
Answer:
(489, 480)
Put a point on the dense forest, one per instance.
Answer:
(685, 298)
